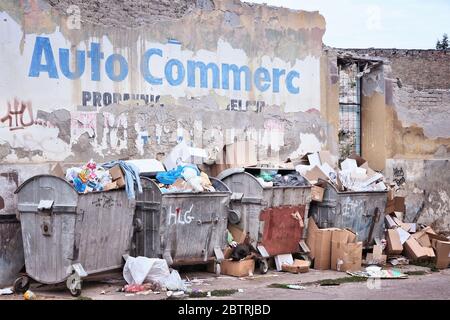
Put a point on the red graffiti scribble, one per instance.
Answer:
(15, 115)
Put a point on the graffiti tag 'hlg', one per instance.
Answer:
(179, 217)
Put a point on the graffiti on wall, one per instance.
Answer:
(399, 176)
(19, 115)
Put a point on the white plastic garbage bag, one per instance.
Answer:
(138, 270)
(173, 282)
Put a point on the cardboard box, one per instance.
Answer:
(120, 182)
(394, 246)
(241, 153)
(414, 250)
(110, 186)
(317, 193)
(241, 268)
(345, 255)
(116, 173)
(381, 260)
(442, 254)
(315, 174)
(422, 238)
(429, 252)
(238, 234)
(399, 204)
(396, 205)
(298, 266)
(319, 242)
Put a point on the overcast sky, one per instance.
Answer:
(413, 24)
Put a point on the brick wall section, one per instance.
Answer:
(422, 69)
(129, 13)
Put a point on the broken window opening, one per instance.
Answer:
(349, 108)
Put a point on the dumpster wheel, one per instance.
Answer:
(263, 266)
(74, 284)
(217, 268)
(21, 284)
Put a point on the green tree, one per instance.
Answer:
(442, 45)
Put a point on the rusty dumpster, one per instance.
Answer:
(362, 212)
(181, 227)
(68, 236)
(11, 249)
(272, 216)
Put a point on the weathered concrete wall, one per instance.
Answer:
(426, 186)
(421, 69)
(111, 102)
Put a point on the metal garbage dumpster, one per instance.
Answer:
(11, 249)
(181, 227)
(272, 216)
(362, 212)
(68, 236)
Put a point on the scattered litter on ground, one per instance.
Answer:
(6, 291)
(29, 295)
(380, 274)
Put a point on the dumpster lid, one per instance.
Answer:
(39, 176)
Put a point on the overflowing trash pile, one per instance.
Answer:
(276, 178)
(354, 174)
(90, 178)
(184, 178)
(108, 176)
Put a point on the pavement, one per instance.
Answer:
(420, 284)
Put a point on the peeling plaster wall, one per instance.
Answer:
(415, 118)
(44, 120)
(426, 186)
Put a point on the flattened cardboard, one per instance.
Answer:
(394, 246)
(238, 234)
(314, 159)
(317, 193)
(414, 250)
(359, 160)
(241, 268)
(315, 174)
(326, 157)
